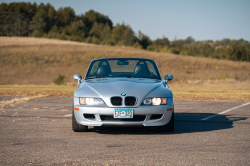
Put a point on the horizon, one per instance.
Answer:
(203, 21)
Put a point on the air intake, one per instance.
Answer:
(137, 118)
(156, 116)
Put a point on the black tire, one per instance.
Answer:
(168, 127)
(77, 127)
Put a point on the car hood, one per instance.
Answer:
(109, 87)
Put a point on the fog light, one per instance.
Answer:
(147, 101)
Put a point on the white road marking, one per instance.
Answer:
(225, 111)
(68, 115)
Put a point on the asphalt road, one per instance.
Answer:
(39, 132)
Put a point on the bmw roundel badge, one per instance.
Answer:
(123, 94)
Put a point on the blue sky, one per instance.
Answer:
(201, 19)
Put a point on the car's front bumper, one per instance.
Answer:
(147, 111)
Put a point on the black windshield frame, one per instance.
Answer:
(106, 60)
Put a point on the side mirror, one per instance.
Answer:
(168, 77)
(77, 77)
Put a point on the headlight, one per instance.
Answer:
(155, 101)
(91, 101)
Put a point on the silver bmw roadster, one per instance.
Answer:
(123, 92)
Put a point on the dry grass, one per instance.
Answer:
(33, 62)
(212, 95)
(180, 93)
(34, 90)
(38, 61)
(229, 90)
(20, 100)
(20, 41)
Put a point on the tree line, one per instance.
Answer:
(27, 19)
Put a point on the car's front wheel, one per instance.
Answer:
(77, 127)
(168, 127)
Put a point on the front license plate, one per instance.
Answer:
(123, 113)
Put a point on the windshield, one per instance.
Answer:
(123, 67)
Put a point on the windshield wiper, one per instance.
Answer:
(146, 77)
(95, 77)
(139, 77)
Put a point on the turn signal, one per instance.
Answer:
(164, 100)
(77, 109)
(169, 109)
